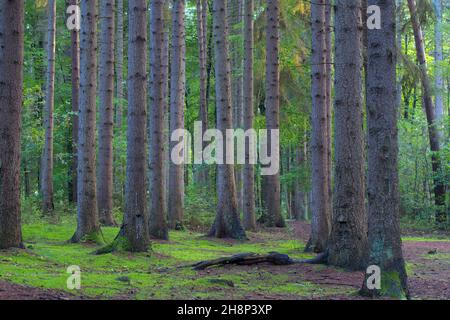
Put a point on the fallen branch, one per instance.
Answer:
(274, 258)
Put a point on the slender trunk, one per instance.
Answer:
(439, 58)
(385, 246)
(47, 157)
(227, 223)
(88, 227)
(75, 75)
(202, 22)
(329, 104)
(321, 216)
(157, 221)
(348, 240)
(273, 200)
(105, 130)
(177, 96)
(11, 84)
(248, 89)
(119, 95)
(439, 184)
(398, 23)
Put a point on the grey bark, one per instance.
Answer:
(202, 29)
(321, 216)
(157, 222)
(88, 226)
(439, 58)
(177, 97)
(47, 157)
(385, 246)
(329, 104)
(75, 76)
(105, 129)
(136, 215)
(273, 197)
(248, 90)
(119, 94)
(433, 133)
(227, 223)
(348, 239)
(11, 84)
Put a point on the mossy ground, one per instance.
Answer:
(158, 274)
(155, 274)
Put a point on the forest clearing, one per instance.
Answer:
(224, 150)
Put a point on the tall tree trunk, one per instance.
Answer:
(348, 240)
(329, 104)
(75, 75)
(439, 184)
(227, 223)
(273, 200)
(47, 157)
(11, 84)
(202, 29)
(119, 95)
(88, 227)
(321, 216)
(300, 205)
(439, 58)
(105, 132)
(136, 215)
(248, 90)
(385, 246)
(177, 96)
(398, 19)
(157, 221)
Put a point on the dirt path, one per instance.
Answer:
(10, 291)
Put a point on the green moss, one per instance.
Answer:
(391, 285)
(418, 239)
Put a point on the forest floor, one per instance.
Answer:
(40, 270)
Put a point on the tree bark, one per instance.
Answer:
(75, 75)
(177, 96)
(157, 222)
(119, 95)
(348, 240)
(11, 84)
(439, 58)
(385, 246)
(202, 28)
(273, 200)
(321, 216)
(47, 157)
(136, 215)
(439, 184)
(105, 130)
(88, 227)
(248, 90)
(227, 223)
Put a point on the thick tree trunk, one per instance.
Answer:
(11, 84)
(348, 240)
(439, 184)
(321, 216)
(88, 227)
(227, 223)
(273, 200)
(119, 95)
(47, 157)
(157, 221)
(248, 89)
(385, 246)
(136, 215)
(75, 75)
(105, 130)
(177, 96)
